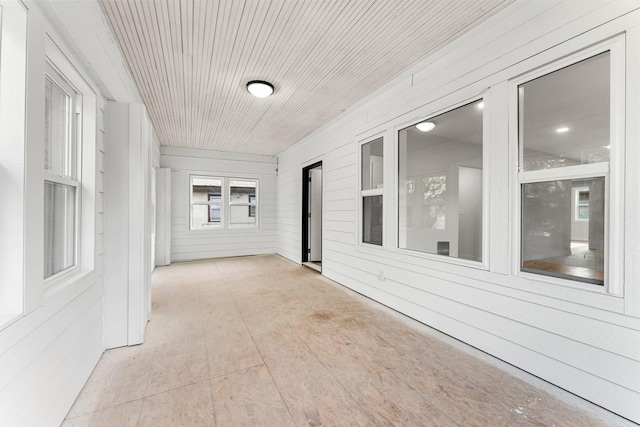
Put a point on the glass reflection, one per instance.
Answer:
(564, 116)
(558, 238)
(440, 185)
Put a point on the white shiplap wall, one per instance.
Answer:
(201, 244)
(585, 342)
(47, 355)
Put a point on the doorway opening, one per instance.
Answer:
(312, 216)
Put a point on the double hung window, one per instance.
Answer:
(61, 175)
(220, 203)
(565, 145)
(371, 191)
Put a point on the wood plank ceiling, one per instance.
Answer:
(191, 60)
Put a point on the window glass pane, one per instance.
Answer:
(554, 242)
(206, 216)
(372, 220)
(372, 153)
(206, 190)
(564, 116)
(214, 208)
(57, 147)
(206, 199)
(241, 216)
(59, 227)
(241, 192)
(242, 201)
(203, 188)
(440, 185)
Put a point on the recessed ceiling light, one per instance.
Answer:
(260, 88)
(481, 105)
(562, 129)
(426, 126)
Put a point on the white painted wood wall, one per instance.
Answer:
(47, 354)
(189, 244)
(128, 224)
(585, 342)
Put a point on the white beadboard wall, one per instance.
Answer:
(585, 342)
(47, 355)
(188, 244)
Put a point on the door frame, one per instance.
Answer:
(305, 210)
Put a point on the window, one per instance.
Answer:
(220, 203)
(371, 191)
(564, 131)
(61, 171)
(242, 203)
(214, 208)
(206, 202)
(581, 207)
(252, 208)
(440, 201)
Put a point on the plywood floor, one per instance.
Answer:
(260, 341)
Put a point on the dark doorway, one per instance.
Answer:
(312, 216)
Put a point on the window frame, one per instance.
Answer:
(612, 171)
(13, 109)
(426, 112)
(74, 179)
(371, 192)
(225, 204)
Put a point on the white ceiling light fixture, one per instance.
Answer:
(260, 88)
(562, 129)
(426, 126)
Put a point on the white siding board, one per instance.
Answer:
(189, 244)
(586, 342)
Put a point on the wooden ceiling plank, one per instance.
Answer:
(158, 15)
(129, 49)
(175, 22)
(191, 58)
(158, 109)
(243, 101)
(254, 21)
(201, 14)
(229, 32)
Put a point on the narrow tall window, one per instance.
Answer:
(440, 184)
(61, 185)
(206, 202)
(564, 138)
(242, 203)
(371, 191)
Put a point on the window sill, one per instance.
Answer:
(478, 265)
(370, 248)
(222, 230)
(64, 282)
(545, 281)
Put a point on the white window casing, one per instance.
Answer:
(612, 170)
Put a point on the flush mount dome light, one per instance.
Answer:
(426, 126)
(260, 88)
(562, 129)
